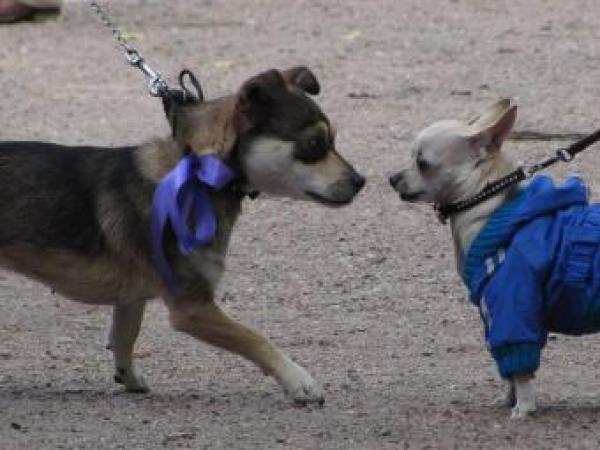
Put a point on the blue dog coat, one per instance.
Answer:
(535, 268)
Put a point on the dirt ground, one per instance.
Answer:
(365, 297)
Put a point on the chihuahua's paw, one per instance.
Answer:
(133, 383)
(300, 387)
(523, 410)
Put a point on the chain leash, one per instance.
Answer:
(157, 86)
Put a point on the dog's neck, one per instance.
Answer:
(466, 225)
(209, 127)
(205, 128)
(155, 160)
(160, 156)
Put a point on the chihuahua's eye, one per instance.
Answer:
(311, 151)
(423, 165)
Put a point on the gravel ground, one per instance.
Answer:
(365, 297)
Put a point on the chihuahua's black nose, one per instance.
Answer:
(395, 178)
(358, 181)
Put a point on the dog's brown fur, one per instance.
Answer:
(78, 219)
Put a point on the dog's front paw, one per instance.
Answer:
(523, 410)
(307, 392)
(133, 383)
(300, 387)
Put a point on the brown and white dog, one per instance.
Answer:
(78, 218)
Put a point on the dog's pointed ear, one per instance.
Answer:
(491, 129)
(256, 97)
(303, 78)
(490, 113)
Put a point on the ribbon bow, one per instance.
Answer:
(182, 199)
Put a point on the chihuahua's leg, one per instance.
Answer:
(525, 404)
(207, 322)
(126, 323)
(510, 397)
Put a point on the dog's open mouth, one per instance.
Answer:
(327, 201)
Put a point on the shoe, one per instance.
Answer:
(12, 11)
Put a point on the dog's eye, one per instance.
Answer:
(423, 165)
(313, 150)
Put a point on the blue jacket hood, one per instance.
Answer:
(543, 197)
(538, 198)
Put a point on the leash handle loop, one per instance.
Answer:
(198, 96)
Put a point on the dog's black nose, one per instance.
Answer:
(395, 178)
(358, 181)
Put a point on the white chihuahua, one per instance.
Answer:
(530, 256)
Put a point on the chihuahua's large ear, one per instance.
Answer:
(491, 129)
(490, 113)
(303, 78)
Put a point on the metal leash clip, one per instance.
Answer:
(157, 86)
(565, 155)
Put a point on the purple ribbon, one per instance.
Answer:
(182, 199)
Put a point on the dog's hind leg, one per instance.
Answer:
(207, 322)
(126, 323)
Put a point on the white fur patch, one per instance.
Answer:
(270, 167)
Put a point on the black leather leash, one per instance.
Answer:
(444, 212)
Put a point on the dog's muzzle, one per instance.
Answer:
(358, 181)
(395, 179)
(397, 182)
